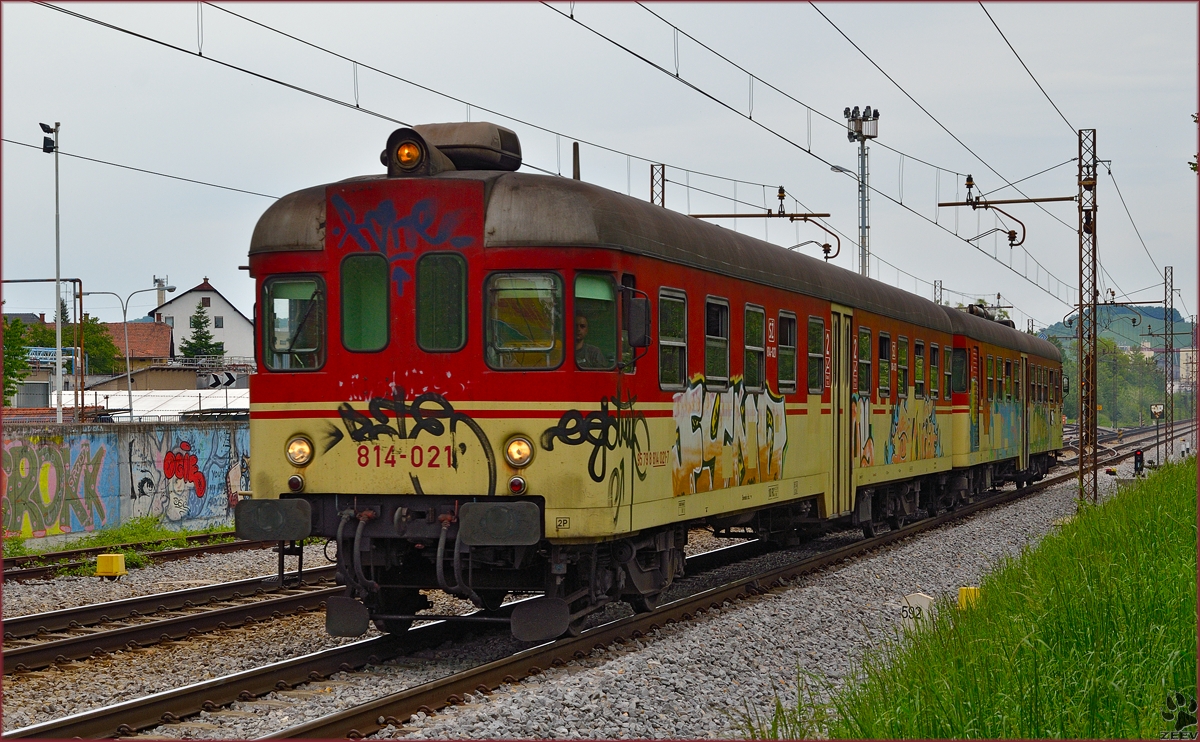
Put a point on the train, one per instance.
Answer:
(491, 382)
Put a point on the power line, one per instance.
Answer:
(1027, 177)
(1135, 227)
(785, 94)
(214, 60)
(1022, 61)
(768, 129)
(148, 172)
(476, 106)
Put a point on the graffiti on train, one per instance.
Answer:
(914, 432)
(188, 475)
(59, 484)
(864, 438)
(618, 427)
(385, 230)
(727, 438)
(431, 418)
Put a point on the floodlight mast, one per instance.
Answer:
(860, 128)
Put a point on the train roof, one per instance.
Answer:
(523, 210)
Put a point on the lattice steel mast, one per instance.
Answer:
(1088, 296)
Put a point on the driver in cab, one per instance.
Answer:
(587, 356)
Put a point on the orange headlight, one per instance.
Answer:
(408, 155)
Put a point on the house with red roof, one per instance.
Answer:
(227, 324)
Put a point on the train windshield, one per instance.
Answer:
(524, 320)
(295, 324)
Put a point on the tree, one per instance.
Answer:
(103, 355)
(16, 362)
(201, 342)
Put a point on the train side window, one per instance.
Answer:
(365, 302)
(754, 344)
(934, 363)
(716, 342)
(919, 368)
(885, 366)
(1042, 394)
(1016, 383)
(786, 366)
(816, 355)
(958, 371)
(441, 302)
(989, 379)
(902, 366)
(595, 323)
(864, 362)
(294, 333)
(672, 339)
(523, 317)
(1007, 379)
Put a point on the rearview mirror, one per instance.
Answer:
(637, 322)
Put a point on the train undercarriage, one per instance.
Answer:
(391, 547)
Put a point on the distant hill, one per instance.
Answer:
(1116, 326)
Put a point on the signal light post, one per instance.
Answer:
(51, 145)
(860, 128)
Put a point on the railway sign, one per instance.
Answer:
(224, 378)
(1156, 411)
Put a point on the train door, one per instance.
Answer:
(842, 475)
(1022, 389)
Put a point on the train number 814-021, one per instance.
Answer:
(429, 457)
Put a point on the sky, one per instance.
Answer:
(227, 107)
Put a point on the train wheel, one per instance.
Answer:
(896, 522)
(868, 529)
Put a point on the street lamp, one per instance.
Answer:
(125, 326)
(51, 145)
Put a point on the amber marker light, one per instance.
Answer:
(299, 451)
(408, 155)
(518, 452)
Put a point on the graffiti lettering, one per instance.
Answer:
(55, 486)
(183, 466)
(383, 230)
(727, 438)
(427, 412)
(604, 432)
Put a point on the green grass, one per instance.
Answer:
(1082, 636)
(137, 530)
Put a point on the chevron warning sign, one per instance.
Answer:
(225, 378)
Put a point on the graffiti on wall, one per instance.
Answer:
(59, 484)
(187, 474)
(727, 438)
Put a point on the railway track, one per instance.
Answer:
(41, 640)
(46, 565)
(168, 706)
(174, 705)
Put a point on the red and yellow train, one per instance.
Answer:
(486, 382)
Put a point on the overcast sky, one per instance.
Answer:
(1127, 70)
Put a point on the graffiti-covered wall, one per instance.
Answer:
(77, 478)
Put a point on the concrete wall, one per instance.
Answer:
(69, 479)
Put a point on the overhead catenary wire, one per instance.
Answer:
(144, 170)
(784, 138)
(785, 94)
(354, 106)
(1031, 76)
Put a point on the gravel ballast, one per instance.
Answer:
(688, 680)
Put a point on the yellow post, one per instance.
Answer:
(967, 596)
